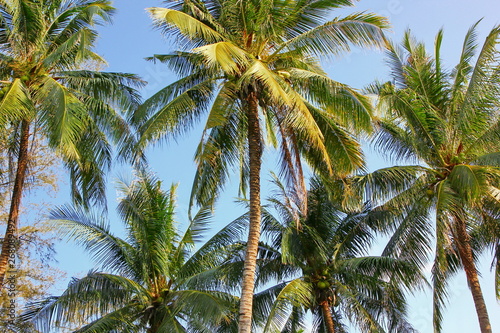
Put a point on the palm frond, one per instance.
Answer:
(94, 295)
(295, 293)
(337, 35)
(93, 233)
(15, 104)
(187, 25)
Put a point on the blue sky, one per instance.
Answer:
(131, 38)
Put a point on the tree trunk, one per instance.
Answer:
(327, 317)
(154, 327)
(9, 245)
(467, 259)
(255, 153)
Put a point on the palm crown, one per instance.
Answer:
(253, 67)
(145, 282)
(46, 96)
(268, 50)
(337, 281)
(449, 122)
(43, 45)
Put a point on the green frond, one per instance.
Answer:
(87, 172)
(394, 141)
(164, 96)
(410, 221)
(441, 272)
(343, 152)
(464, 68)
(396, 62)
(221, 150)
(273, 84)
(485, 141)
(480, 100)
(356, 308)
(384, 183)
(94, 235)
(187, 25)
(170, 324)
(227, 56)
(199, 224)
(15, 104)
(469, 181)
(64, 117)
(295, 293)
(84, 298)
(400, 271)
(437, 53)
(117, 89)
(339, 34)
(345, 104)
(74, 50)
(149, 214)
(123, 319)
(26, 23)
(179, 114)
(215, 306)
(184, 64)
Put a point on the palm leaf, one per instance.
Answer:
(187, 25)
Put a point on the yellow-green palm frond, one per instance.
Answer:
(227, 56)
(338, 35)
(188, 26)
(15, 103)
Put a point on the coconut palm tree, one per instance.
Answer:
(44, 91)
(333, 278)
(253, 67)
(448, 122)
(146, 282)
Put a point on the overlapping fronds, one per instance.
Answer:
(269, 48)
(448, 122)
(327, 249)
(44, 46)
(155, 280)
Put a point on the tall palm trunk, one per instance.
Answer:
(9, 244)
(467, 259)
(327, 317)
(255, 154)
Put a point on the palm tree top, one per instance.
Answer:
(455, 111)
(327, 270)
(148, 280)
(239, 32)
(447, 121)
(35, 35)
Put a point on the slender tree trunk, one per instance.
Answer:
(467, 259)
(327, 317)
(9, 245)
(255, 153)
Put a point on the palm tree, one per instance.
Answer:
(448, 122)
(43, 45)
(253, 67)
(336, 280)
(146, 282)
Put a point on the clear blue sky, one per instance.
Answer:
(131, 38)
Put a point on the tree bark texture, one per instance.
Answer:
(10, 241)
(327, 317)
(255, 154)
(465, 252)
